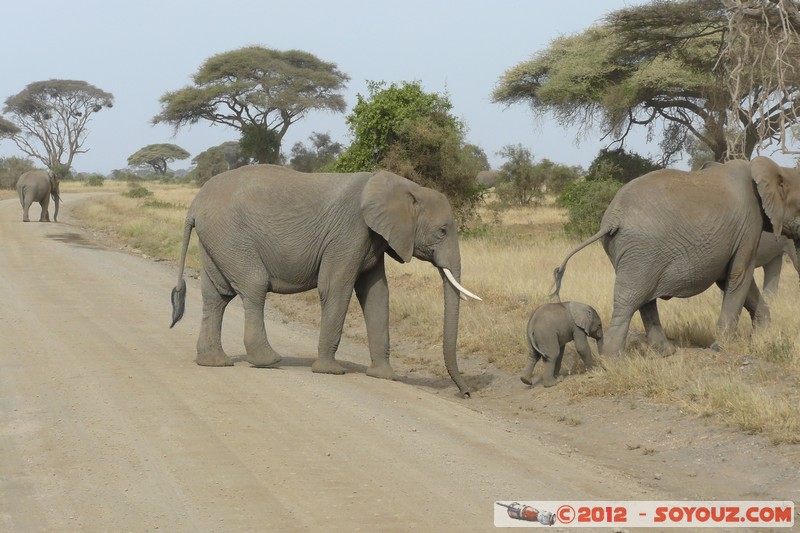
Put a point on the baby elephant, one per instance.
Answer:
(551, 327)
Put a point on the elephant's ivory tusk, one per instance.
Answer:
(457, 285)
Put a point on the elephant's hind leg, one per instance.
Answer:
(656, 337)
(757, 307)
(209, 343)
(259, 352)
(45, 216)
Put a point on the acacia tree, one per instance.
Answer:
(52, 118)
(156, 156)
(216, 160)
(260, 92)
(675, 68)
(7, 129)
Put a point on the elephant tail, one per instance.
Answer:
(558, 273)
(179, 292)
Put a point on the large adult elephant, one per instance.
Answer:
(266, 228)
(672, 233)
(38, 186)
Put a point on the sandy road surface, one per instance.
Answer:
(106, 423)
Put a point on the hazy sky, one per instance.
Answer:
(138, 50)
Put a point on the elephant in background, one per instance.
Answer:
(769, 256)
(672, 233)
(550, 327)
(266, 228)
(487, 178)
(38, 186)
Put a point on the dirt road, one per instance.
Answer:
(106, 423)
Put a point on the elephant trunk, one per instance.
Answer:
(599, 345)
(450, 335)
(56, 195)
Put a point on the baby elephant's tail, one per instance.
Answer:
(179, 292)
(558, 273)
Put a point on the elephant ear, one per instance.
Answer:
(388, 208)
(581, 315)
(771, 189)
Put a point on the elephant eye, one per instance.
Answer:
(442, 231)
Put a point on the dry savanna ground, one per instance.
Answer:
(508, 259)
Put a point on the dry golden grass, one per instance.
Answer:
(754, 384)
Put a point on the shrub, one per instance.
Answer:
(585, 202)
(138, 192)
(95, 180)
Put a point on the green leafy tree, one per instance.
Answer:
(707, 69)
(558, 176)
(619, 165)
(321, 154)
(520, 182)
(52, 117)
(586, 202)
(157, 156)
(413, 133)
(259, 91)
(11, 168)
(216, 160)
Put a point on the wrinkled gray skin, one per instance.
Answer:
(38, 186)
(769, 256)
(550, 327)
(672, 233)
(266, 228)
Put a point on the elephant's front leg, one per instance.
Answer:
(372, 292)
(737, 287)
(583, 349)
(335, 291)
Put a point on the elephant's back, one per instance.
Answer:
(31, 177)
(262, 189)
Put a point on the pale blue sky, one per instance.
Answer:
(139, 50)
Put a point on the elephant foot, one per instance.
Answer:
(323, 365)
(264, 359)
(528, 381)
(213, 359)
(26, 220)
(664, 347)
(549, 381)
(382, 371)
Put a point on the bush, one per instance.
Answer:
(137, 192)
(586, 201)
(11, 168)
(95, 180)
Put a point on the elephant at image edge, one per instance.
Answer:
(553, 325)
(266, 228)
(672, 233)
(769, 256)
(38, 186)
